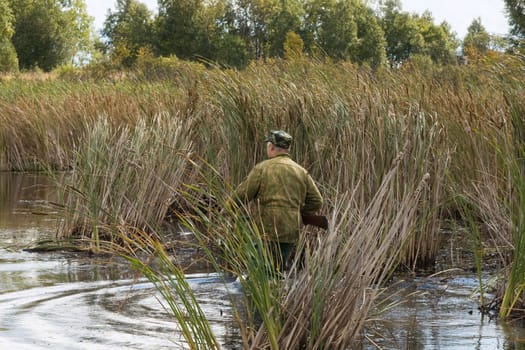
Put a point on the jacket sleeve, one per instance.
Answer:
(313, 200)
(249, 188)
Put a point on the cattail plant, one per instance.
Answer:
(514, 296)
(119, 134)
(325, 299)
(125, 176)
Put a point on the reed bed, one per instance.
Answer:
(497, 203)
(125, 176)
(323, 302)
(129, 137)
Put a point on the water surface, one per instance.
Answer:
(65, 300)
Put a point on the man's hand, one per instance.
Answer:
(315, 220)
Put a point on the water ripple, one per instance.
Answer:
(123, 314)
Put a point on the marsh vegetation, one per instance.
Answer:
(401, 156)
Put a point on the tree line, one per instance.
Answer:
(44, 34)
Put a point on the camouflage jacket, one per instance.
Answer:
(283, 190)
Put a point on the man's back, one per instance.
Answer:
(283, 190)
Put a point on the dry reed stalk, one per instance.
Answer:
(325, 305)
(339, 113)
(126, 176)
(349, 124)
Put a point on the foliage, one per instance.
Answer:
(477, 40)
(344, 30)
(49, 33)
(293, 46)
(128, 30)
(177, 28)
(408, 34)
(233, 32)
(334, 26)
(6, 21)
(440, 42)
(516, 14)
(286, 19)
(232, 51)
(230, 32)
(401, 33)
(371, 47)
(8, 57)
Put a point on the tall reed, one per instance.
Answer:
(147, 254)
(125, 176)
(338, 113)
(324, 301)
(494, 201)
(514, 295)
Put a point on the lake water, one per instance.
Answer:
(73, 301)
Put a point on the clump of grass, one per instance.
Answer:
(147, 254)
(325, 299)
(493, 205)
(514, 295)
(125, 176)
(330, 299)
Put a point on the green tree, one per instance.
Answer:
(344, 30)
(254, 19)
(231, 50)
(286, 19)
(81, 35)
(49, 32)
(222, 41)
(178, 30)
(6, 20)
(228, 44)
(128, 29)
(401, 33)
(329, 26)
(8, 58)
(408, 35)
(515, 10)
(477, 40)
(371, 45)
(338, 30)
(293, 46)
(314, 11)
(440, 43)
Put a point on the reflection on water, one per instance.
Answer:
(104, 314)
(442, 313)
(25, 211)
(72, 301)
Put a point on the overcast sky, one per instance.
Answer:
(458, 13)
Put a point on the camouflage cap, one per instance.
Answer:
(279, 138)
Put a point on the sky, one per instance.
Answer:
(458, 13)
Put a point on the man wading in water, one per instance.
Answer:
(283, 191)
